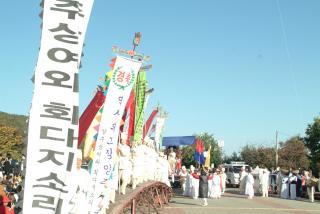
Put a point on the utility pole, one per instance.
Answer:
(277, 157)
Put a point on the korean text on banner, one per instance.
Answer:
(53, 122)
(122, 81)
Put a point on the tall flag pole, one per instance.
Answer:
(53, 122)
(140, 90)
(103, 169)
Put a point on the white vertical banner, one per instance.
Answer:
(123, 78)
(53, 122)
(158, 131)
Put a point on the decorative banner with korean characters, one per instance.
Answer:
(53, 121)
(123, 79)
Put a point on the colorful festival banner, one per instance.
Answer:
(91, 136)
(158, 132)
(149, 122)
(123, 78)
(89, 114)
(53, 121)
(140, 90)
(131, 122)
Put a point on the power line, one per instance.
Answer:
(289, 58)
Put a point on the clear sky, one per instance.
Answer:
(238, 69)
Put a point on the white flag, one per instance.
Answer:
(53, 122)
(123, 78)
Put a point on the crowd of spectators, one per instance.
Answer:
(11, 178)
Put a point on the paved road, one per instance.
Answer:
(232, 202)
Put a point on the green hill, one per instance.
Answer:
(19, 122)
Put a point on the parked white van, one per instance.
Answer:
(232, 171)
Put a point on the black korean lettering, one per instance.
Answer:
(44, 204)
(107, 167)
(56, 111)
(120, 99)
(71, 138)
(68, 55)
(65, 4)
(59, 206)
(98, 153)
(70, 37)
(100, 147)
(110, 140)
(76, 83)
(51, 156)
(113, 127)
(117, 113)
(44, 133)
(70, 161)
(109, 153)
(53, 186)
(57, 78)
(75, 115)
(59, 111)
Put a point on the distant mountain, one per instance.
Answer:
(16, 121)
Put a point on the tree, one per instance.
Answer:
(187, 154)
(19, 122)
(215, 153)
(293, 154)
(258, 156)
(312, 141)
(11, 141)
(207, 139)
(233, 157)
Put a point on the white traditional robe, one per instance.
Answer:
(82, 185)
(165, 169)
(195, 187)
(284, 187)
(293, 184)
(265, 184)
(183, 180)
(249, 185)
(187, 191)
(223, 181)
(216, 188)
(124, 166)
(243, 177)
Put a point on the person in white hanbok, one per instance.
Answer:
(293, 179)
(284, 187)
(223, 180)
(195, 186)
(124, 163)
(310, 187)
(188, 189)
(165, 170)
(249, 185)
(137, 164)
(265, 183)
(79, 203)
(216, 185)
(242, 180)
(183, 177)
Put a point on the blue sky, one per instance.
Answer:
(238, 69)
